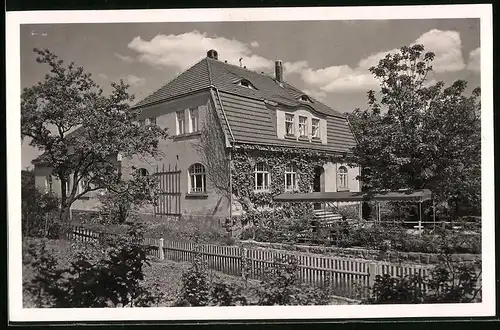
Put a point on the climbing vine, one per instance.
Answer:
(276, 159)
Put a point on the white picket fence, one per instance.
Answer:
(347, 277)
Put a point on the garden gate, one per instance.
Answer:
(169, 199)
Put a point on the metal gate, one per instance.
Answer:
(169, 197)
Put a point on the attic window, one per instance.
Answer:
(246, 83)
(305, 98)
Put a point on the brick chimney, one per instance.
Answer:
(279, 71)
(212, 53)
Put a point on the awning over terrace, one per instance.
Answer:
(347, 196)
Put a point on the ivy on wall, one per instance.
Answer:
(277, 159)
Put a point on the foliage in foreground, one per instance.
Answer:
(114, 279)
(279, 286)
(200, 288)
(448, 282)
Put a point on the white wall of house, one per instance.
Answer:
(331, 177)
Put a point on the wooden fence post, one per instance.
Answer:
(244, 263)
(372, 273)
(160, 249)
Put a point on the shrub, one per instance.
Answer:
(201, 289)
(281, 286)
(38, 210)
(115, 280)
(449, 282)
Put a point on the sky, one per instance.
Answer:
(328, 60)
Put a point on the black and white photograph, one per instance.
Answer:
(279, 163)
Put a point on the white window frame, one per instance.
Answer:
(197, 173)
(303, 126)
(180, 120)
(291, 170)
(261, 169)
(288, 122)
(49, 183)
(342, 178)
(316, 134)
(194, 120)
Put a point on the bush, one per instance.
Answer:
(281, 286)
(201, 289)
(38, 210)
(114, 280)
(449, 282)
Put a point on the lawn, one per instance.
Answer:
(166, 273)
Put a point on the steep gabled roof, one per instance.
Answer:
(247, 119)
(225, 77)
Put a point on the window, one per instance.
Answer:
(246, 83)
(142, 172)
(197, 179)
(142, 122)
(342, 177)
(194, 119)
(152, 120)
(290, 178)
(305, 98)
(289, 126)
(180, 122)
(303, 126)
(48, 183)
(261, 173)
(315, 128)
(82, 184)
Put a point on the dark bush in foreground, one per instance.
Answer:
(114, 280)
(449, 282)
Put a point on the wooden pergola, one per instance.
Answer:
(411, 196)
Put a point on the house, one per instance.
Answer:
(276, 139)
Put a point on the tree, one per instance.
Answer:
(419, 135)
(80, 130)
(211, 147)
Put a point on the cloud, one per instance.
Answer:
(103, 76)
(319, 95)
(295, 67)
(446, 45)
(125, 58)
(475, 60)
(134, 81)
(183, 50)
(254, 44)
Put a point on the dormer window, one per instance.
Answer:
(246, 83)
(305, 98)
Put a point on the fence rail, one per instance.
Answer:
(346, 277)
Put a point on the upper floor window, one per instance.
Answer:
(315, 128)
(197, 178)
(48, 183)
(305, 98)
(261, 173)
(151, 121)
(194, 119)
(291, 178)
(303, 126)
(142, 122)
(342, 177)
(246, 83)
(180, 122)
(289, 125)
